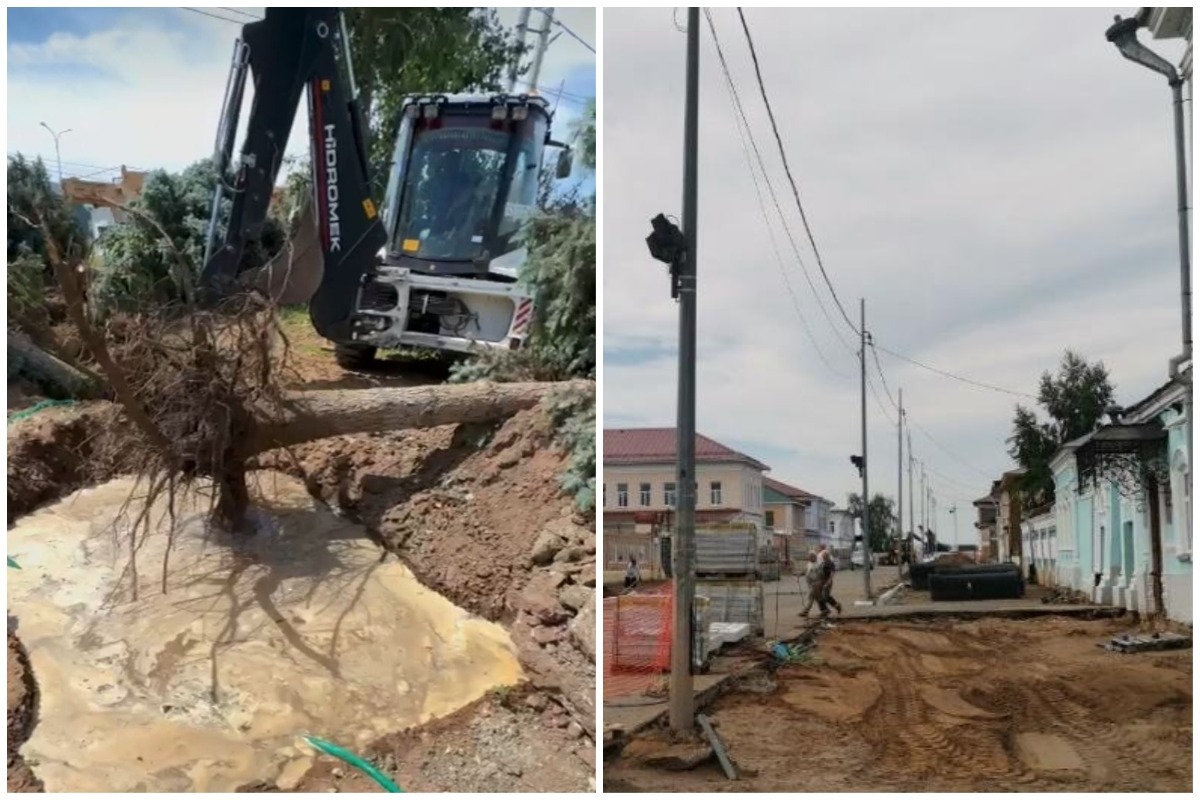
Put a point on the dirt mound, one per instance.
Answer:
(461, 504)
(22, 711)
(61, 449)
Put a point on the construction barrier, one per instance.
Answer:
(637, 643)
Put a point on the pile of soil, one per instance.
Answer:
(22, 711)
(61, 449)
(951, 706)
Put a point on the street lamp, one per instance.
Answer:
(1123, 34)
(57, 153)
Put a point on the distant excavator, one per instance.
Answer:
(436, 265)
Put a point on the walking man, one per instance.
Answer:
(828, 568)
(815, 581)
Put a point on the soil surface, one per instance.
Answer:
(22, 710)
(952, 706)
(477, 515)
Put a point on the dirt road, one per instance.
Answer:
(988, 705)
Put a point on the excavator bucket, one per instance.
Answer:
(294, 275)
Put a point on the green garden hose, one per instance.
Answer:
(332, 749)
(26, 413)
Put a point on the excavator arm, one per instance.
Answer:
(294, 51)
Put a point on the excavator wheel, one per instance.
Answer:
(355, 358)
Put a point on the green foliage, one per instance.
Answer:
(400, 51)
(1074, 399)
(574, 416)
(26, 282)
(881, 511)
(585, 133)
(139, 267)
(31, 200)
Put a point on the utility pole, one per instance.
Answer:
(866, 502)
(900, 466)
(540, 52)
(682, 715)
(522, 29)
(57, 152)
(911, 526)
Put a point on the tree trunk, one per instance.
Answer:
(54, 375)
(321, 414)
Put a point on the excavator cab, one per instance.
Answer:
(464, 179)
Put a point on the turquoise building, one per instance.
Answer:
(1118, 525)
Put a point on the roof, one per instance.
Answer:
(785, 489)
(1160, 397)
(658, 446)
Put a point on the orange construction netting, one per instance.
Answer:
(637, 643)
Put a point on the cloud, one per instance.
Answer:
(144, 88)
(996, 184)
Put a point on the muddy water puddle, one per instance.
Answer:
(302, 629)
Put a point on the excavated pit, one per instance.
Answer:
(304, 628)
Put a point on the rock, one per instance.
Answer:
(583, 629)
(546, 635)
(540, 598)
(575, 596)
(574, 730)
(536, 701)
(588, 575)
(546, 547)
(673, 757)
(572, 553)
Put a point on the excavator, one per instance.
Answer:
(436, 264)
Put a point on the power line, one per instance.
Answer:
(960, 378)
(787, 168)
(947, 451)
(741, 122)
(771, 189)
(574, 35)
(214, 16)
(254, 17)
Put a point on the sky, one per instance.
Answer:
(143, 87)
(998, 185)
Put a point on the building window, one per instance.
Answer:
(832, 528)
(622, 495)
(770, 517)
(1168, 505)
(644, 495)
(669, 495)
(714, 493)
(604, 495)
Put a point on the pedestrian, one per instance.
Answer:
(815, 581)
(633, 575)
(828, 568)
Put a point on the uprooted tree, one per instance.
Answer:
(197, 389)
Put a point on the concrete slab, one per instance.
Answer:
(632, 714)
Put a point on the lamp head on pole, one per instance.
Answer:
(1123, 34)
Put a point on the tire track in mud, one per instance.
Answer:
(918, 741)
